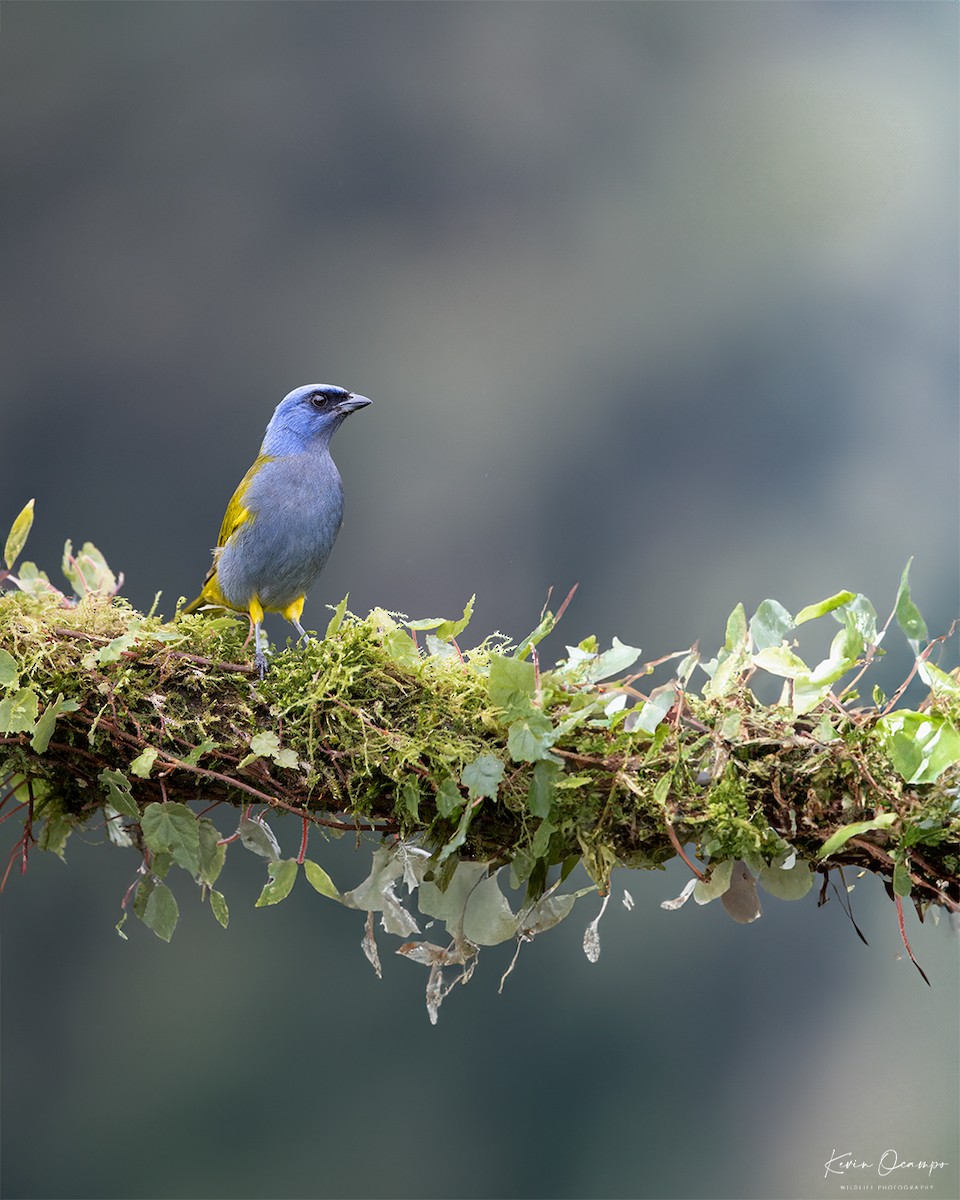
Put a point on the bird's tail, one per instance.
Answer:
(194, 604)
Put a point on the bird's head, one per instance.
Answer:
(308, 416)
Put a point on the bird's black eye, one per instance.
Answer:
(320, 400)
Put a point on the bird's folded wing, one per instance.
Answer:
(237, 513)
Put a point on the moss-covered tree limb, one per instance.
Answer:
(484, 756)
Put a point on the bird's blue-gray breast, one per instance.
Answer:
(297, 507)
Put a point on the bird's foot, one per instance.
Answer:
(259, 643)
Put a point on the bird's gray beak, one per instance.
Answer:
(352, 403)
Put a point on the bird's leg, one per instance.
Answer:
(259, 658)
(292, 613)
(256, 616)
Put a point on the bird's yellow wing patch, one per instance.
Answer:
(237, 513)
(236, 516)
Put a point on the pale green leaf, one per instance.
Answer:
(787, 885)
(846, 832)
(33, 581)
(770, 624)
(257, 836)
(218, 906)
(812, 611)
(43, 730)
(542, 788)
(449, 798)
(113, 650)
(512, 684)
(530, 738)
(212, 853)
(119, 794)
(87, 571)
(161, 912)
(920, 745)
(319, 880)
(337, 619)
(283, 874)
(908, 615)
(9, 675)
(902, 882)
(142, 765)
(482, 776)
(410, 797)
(172, 827)
(17, 537)
(445, 630)
(780, 661)
(717, 883)
(18, 711)
(266, 744)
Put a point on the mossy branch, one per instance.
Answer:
(483, 756)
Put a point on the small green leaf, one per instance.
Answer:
(944, 687)
(448, 630)
(901, 880)
(43, 730)
(732, 660)
(410, 797)
(198, 752)
(445, 630)
(9, 675)
(511, 684)
(18, 711)
(17, 537)
(33, 581)
(401, 649)
(530, 738)
(173, 827)
(780, 661)
(846, 832)
(652, 711)
(482, 776)
(860, 618)
(449, 798)
(812, 611)
(920, 745)
(283, 874)
(113, 651)
(770, 624)
(142, 765)
(337, 619)
(257, 837)
(53, 836)
(212, 853)
(161, 912)
(218, 906)
(119, 794)
(908, 615)
(541, 839)
(319, 880)
(267, 745)
(87, 571)
(542, 788)
(459, 837)
(787, 885)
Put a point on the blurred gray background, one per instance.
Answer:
(656, 297)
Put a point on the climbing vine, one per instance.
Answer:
(472, 770)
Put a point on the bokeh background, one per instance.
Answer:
(656, 297)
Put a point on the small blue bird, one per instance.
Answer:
(283, 519)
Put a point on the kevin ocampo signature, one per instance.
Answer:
(888, 1162)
